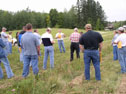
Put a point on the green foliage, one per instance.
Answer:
(53, 17)
(98, 24)
(86, 11)
(89, 11)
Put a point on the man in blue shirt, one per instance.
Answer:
(21, 50)
(4, 59)
(31, 46)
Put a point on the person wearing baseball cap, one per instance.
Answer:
(121, 41)
(47, 40)
(4, 37)
(74, 38)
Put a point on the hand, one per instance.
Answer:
(100, 52)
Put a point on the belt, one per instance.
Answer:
(123, 46)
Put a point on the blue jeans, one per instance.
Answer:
(92, 55)
(6, 47)
(33, 59)
(61, 45)
(10, 47)
(7, 68)
(21, 56)
(115, 53)
(122, 59)
(48, 51)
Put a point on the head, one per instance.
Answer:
(17, 33)
(81, 33)
(88, 27)
(29, 27)
(120, 30)
(4, 29)
(75, 29)
(24, 28)
(116, 32)
(59, 31)
(10, 32)
(48, 30)
(36, 31)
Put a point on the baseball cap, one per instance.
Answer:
(48, 29)
(121, 29)
(3, 28)
(75, 29)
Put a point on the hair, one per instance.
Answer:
(81, 33)
(17, 33)
(88, 26)
(116, 31)
(48, 29)
(35, 30)
(122, 31)
(24, 27)
(29, 26)
(10, 32)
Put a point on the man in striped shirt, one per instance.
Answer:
(74, 37)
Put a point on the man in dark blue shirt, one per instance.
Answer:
(91, 41)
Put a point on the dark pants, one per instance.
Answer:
(74, 46)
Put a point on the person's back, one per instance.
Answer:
(31, 47)
(91, 40)
(29, 43)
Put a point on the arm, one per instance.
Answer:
(51, 39)
(81, 48)
(38, 49)
(52, 42)
(2, 43)
(100, 47)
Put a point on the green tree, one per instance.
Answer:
(98, 24)
(53, 17)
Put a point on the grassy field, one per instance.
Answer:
(67, 77)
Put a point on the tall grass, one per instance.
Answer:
(57, 80)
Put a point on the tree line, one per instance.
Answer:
(85, 11)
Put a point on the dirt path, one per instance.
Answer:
(122, 87)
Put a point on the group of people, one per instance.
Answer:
(119, 48)
(90, 43)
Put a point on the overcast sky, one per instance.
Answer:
(114, 9)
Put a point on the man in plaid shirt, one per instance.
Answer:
(74, 37)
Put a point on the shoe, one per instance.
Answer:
(37, 76)
(71, 59)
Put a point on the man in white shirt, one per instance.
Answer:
(48, 42)
(59, 37)
(4, 37)
(121, 41)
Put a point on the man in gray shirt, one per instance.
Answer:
(31, 47)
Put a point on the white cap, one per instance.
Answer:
(121, 29)
(3, 28)
(75, 29)
(48, 29)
